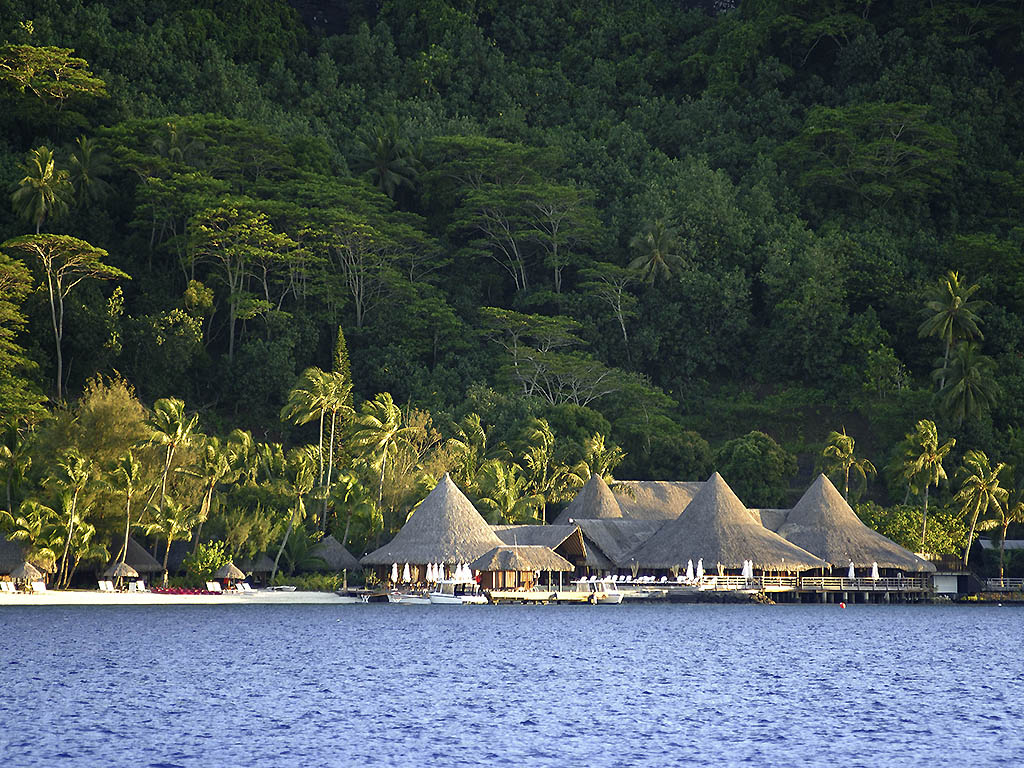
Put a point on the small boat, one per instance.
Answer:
(457, 592)
(410, 598)
(602, 592)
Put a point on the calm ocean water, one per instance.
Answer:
(511, 685)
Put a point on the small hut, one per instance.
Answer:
(823, 523)
(227, 573)
(336, 558)
(120, 571)
(445, 528)
(717, 528)
(564, 540)
(516, 567)
(139, 559)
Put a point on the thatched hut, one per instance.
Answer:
(12, 554)
(515, 567)
(609, 542)
(564, 540)
(445, 528)
(335, 557)
(823, 523)
(139, 559)
(594, 501)
(228, 573)
(717, 528)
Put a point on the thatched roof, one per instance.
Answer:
(609, 542)
(717, 527)
(334, 555)
(521, 558)
(772, 519)
(121, 571)
(567, 540)
(12, 554)
(444, 528)
(823, 523)
(25, 570)
(654, 499)
(228, 571)
(139, 559)
(263, 564)
(595, 501)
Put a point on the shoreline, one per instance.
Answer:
(87, 597)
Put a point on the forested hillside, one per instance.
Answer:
(551, 234)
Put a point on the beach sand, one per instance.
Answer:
(92, 597)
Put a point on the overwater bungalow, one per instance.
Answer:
(823, 523)
(717, 528)
(445, 528)
(609, 542)
(564, 540)
(516, 567)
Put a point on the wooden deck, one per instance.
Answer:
(538, 596)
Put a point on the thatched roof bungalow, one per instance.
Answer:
(609, 542)
(444, 528)
(823, 523)
(716, 527)
(139, 559)
(513, 567)
(594, 501)
(335, 557)
(564, 540)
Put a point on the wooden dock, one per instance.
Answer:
(539, 596)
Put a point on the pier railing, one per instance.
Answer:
(802, 583)
(1004, 585)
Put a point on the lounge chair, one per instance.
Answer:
(38, 586)
(7, 586)
(102, 585)
(213, 586)
(138, 586)
(244, 586)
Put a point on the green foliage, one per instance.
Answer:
(207, 559)
(946, 533)
(757, 468)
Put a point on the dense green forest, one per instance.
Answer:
(269, 271)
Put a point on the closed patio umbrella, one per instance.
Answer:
(406, 574)
(700, 568)
(874, 571)
(394, 573)
(689, 570)
(851, 574)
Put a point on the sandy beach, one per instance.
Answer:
(89, 597)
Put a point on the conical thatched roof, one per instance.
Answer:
(654, 499)
(263, 564)
(228, 571)
(334, 555)
(525, 558)
(26, 571)
(139, 559)
(823, 523)
(609, 542)
(595, 501)
(445, 528)
(566, 540)
(121, 571)
(717, 527)
(12, 554)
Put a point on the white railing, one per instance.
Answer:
(1004, 585)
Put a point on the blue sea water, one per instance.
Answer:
(643, 685)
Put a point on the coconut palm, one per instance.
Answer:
(44, 192)
(549, 479)
(951, 314)
(386, 156)
(74, 472)
(126, 479)
(36, 524)
(171, 428)
(1012, 512)
(377, 432)
(838, 458)
(924, 462)
(172, 520)
(504, 495)
(469, 446)
(980, 492)
(657, 243)
(15, 461)
(301, 479)
(241, 452)
(971, 388)
(214, 467)
(89, 165)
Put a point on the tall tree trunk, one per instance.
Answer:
(58, 327)
(123, 554)
(67, 543)
(945, 364)
(970, 536)
(163, 481)
(167, 554)
(924, 525)
(207, 500)
(330, 466)
(287, 533)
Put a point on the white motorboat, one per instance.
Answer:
(601, 591)
(457, 592)
(411, 598)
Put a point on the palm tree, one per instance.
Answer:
(89, 165)
(74, 473)
(951, 315)
(308, 400)
(504, 495)
(241, 452)
(300, 482)
(386, 156)
(549, 480)
(924, 462)
(979, 491)
(971, 388)
(1013, 512)
(350, 494)
(838, 457)
(15, 461)
(378, 430)
(469, 446)
(214, 468)
(171, 428)
(45, 190)
(35, 524)
(599, 459)
(172, 520)
(126, 479)
(657, 243)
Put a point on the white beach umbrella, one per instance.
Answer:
(689, 570)
(851, 574)
(406, 574)
(394, 573)
(747, 571)
(874, 571)
(430, 573)
(700, 568)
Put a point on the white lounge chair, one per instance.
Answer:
(7, 586)
(213, 586)
(38, 586)
(244, 586)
